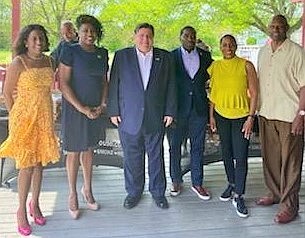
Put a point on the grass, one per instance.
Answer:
(5, 57)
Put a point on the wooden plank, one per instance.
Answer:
(188, 216)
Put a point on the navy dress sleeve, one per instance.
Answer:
(66, 56)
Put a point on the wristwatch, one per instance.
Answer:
(301, 113)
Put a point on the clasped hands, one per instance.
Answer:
(93, 112)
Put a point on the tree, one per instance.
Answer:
(5, 14)
(256, 13)
(50, 13)
(168, 17)
(251, 40)
(211, 18)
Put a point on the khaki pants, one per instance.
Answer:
(282, 155)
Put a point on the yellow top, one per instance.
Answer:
(32, 138)
(229, 87)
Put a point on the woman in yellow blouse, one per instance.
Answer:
(233, 99)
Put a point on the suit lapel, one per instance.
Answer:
(180, 61)
(155, 66)
(135, 65)
(200, 63)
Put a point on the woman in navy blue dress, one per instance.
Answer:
(84, 85)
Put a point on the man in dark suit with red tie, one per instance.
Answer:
(191, 75)
(142, 102)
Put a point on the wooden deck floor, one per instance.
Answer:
(188, 216)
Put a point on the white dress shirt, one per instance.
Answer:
(145, 62)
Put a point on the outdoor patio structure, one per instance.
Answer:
(188, 216)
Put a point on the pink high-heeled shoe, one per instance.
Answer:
(24, 230)
(73, 207)
(91, 206)
(74, 214)
(39, 220)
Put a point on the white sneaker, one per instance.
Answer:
(175, 189)
(239, 204)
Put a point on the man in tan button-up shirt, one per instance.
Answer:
(281, 72)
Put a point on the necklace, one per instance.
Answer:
(35, 58)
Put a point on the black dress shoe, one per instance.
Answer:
(131, 202)
(161, 202)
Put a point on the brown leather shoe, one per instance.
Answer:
(265, 201)
(285, 216)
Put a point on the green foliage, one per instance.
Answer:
(121, 18)
(211, 18)
(168, 17)
(5, 57)
(240, 14)
(5, 14)
(251, 41)
(50, 13)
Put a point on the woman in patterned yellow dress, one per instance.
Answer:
(31, 141)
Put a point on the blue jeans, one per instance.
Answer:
(234, 146)
(193, 127)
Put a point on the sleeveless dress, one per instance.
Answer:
(32, 138)
(78, 132)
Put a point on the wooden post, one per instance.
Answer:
(15, 19)
(303, 24)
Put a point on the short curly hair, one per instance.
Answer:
(19, 45)
(84, 19)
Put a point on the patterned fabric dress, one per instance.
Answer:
(32, 138)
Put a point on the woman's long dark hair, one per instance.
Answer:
(19, 45)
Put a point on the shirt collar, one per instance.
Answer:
(185, 52)
(148, 54)
(283, 46)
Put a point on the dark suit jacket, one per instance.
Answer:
(128, 99)
(192, 92)
(55, 54)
